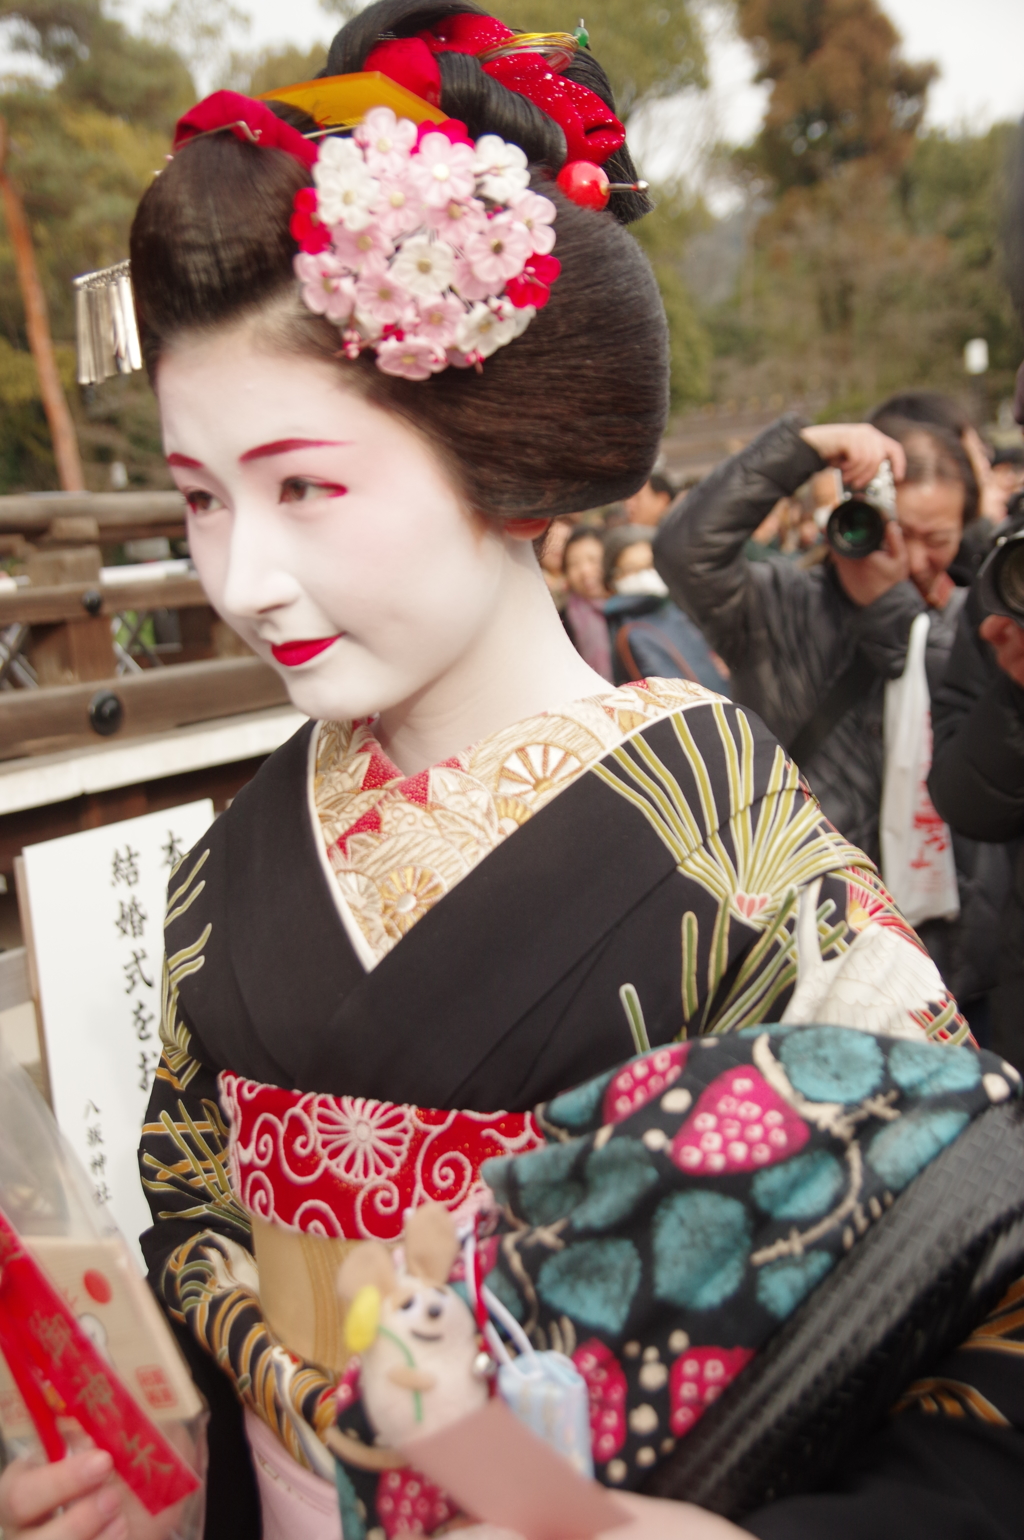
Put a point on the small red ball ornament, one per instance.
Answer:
(585, 183)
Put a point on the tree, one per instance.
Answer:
(867, 284)
(82, 152)
(840, 90)
(200, 33)
(960, 189)
(270, 68)
(100, 64)
(875, 251)
(37, 327)
(663, 235)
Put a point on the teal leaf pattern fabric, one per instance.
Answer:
(617, 1178)
(903, 1149)
(782, 1285)
(833, 1064)
(928, 1069)
(594, 1281)
(575, 1108)
(688, 1204)
(803, 1188)
(700, 1245)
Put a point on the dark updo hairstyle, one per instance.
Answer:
(568, 416)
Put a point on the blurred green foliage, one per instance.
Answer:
(840, 90)
(100, 64)
(875, 252)
(664, 235)
(82, 151)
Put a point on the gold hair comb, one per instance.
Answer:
(556, 48)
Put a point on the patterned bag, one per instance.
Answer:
(690, 1201)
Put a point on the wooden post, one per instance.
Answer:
(37, 324)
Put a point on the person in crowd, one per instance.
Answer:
(977, 775)
(765, 542)
(651, 637)
(811, 649)
(932, 406)
(585, 592)
(1008, 471)
(551, 550)
(977, 783)
(650, 505)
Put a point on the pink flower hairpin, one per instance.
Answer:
(417, 243)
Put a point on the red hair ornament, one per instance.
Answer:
(588, 185)
(249, 120)
(592, 131)
(409, 63)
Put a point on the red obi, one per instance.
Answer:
(347, 1167)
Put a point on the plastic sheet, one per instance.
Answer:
(83, 1331)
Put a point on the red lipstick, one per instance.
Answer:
(291, 654)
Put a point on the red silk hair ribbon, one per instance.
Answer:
(247, 120)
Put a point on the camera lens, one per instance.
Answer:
(855, 529)
(1009, 578)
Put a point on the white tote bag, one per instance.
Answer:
(917, 848)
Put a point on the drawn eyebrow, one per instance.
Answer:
(185, 462)
(283, 446)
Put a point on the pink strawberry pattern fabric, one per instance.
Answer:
(688, 1202)
(739, 1124)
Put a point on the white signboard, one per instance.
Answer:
(97, 902)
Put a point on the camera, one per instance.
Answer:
(856, 526)
(1001, 578)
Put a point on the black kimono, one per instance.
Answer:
(639, 868)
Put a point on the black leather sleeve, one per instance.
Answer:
(699, 546)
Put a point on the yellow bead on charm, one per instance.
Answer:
(362, 1319)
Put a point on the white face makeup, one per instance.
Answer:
(323, 529)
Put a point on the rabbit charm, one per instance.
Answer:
(416, 1338)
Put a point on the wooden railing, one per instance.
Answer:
(75, 662)
(106, 516)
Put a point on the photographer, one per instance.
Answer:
(811, 650)
(977, 776)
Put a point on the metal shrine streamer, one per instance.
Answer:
(106, 325)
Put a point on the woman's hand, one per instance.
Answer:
(31, 1494)
(992, 498)
(651, 1518)
(1006, 638)
(658, 1518)
(856, 449)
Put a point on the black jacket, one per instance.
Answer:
(788, 633)
(977, 784)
